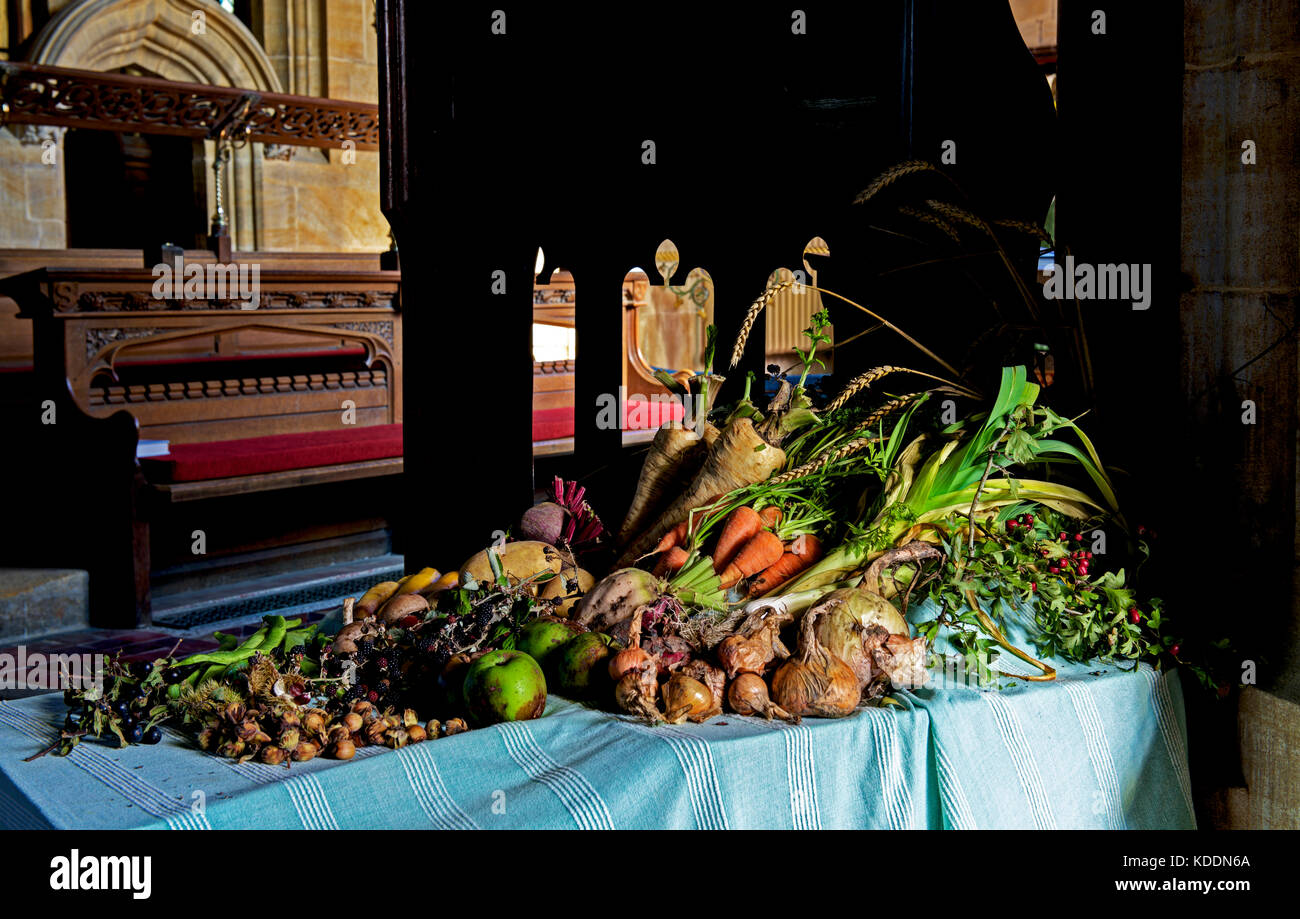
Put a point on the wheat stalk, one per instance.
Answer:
(892, 175)
(931, 220)
(888, 408)
(864, 381)
(755, 308)
(959, 215)
(1028, 228)
(822, 461)
(860, 382)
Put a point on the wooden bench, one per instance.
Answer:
(254, 402)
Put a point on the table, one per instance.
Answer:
(1097, 748)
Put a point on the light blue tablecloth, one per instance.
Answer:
(1097, 748)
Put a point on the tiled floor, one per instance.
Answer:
(135, 645)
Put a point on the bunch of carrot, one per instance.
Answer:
(747, 547)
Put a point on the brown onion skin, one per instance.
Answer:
(626, 661)
(815, 681)
(747, 695)
(685, 697)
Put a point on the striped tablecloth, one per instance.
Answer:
(1097, 748)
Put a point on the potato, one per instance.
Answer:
(519, 560)
(558, 587)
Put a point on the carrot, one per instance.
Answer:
(803, 553)
(676, 455)
(740, 527)
(808, 546)
(759, 554)
(771, 516)
(786, 567)
(674, 537)
(671, 562)
(739, 457)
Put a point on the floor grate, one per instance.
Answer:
(297, 601)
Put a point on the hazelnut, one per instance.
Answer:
(344, 749)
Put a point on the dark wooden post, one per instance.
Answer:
(491, 145)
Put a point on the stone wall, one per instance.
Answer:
(313, 200)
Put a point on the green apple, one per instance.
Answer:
(582, 663)
(544, 634)
(504, 686)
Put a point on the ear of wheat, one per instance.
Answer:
(958, 215)
(1025, 227)
(860, 382)
(888, 408)
(929, 219)
(824, 460)
(892, 175)
(755, 308)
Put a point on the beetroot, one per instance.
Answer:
(544, 522)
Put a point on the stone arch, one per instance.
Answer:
(156, 35)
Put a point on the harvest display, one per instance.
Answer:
(783, 556)
(765, 567)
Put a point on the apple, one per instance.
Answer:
(544, 634)
(582, 663)
(504, 686)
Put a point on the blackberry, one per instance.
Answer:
(365, 648)
(482, 618)
(382, 663)
(354, 693)
(426, 644)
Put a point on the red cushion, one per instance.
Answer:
(553, 423)
(638, 414)
(276, 453)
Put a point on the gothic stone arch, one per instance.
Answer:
(159, 36)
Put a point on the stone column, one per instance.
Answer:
(1241, 269)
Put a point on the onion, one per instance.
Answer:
(685, 697)
(626, 661)
(756, 643)
(815, 681)
(842, 634)
(713, 679)
(747, 695)
(635, 693)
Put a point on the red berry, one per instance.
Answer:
(1064, 537)
(1033, 585)
(1087, 555)
(373, 696)
(1134, 616)
(1175, 649)
(409, 621)
(1011, 524)
(1142, 531)
(1078, 537)
(1044, 553)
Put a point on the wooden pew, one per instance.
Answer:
(298, 391)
